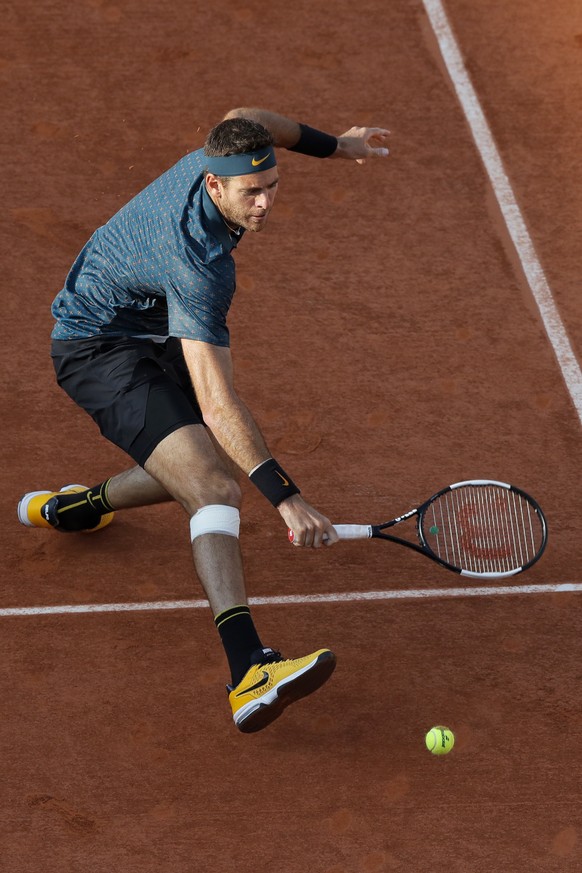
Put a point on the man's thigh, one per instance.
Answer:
(191, 468)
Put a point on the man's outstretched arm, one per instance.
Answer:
(238, 434)
(356, 144)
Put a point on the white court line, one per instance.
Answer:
(300, 599)
(505, 197)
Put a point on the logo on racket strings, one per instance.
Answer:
(479, 538)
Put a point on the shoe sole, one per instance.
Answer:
(23, 507)
(25, 502)
(259, 714)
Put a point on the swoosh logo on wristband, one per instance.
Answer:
(281, 477)
(256, 163)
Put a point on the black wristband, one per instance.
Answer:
(315, 143)
(272, 481)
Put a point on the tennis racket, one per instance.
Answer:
(478, 528)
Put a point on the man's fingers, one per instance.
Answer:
(376, 142)
(374, 153)
(313, 539)
(367, 132)
(375, 133)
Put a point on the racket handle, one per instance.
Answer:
(346, 532)
(353, 531)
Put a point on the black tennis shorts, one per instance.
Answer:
(137, 391)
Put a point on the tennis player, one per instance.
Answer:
(141, 343)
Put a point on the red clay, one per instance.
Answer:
(387, 341)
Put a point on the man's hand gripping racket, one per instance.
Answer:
(478, 528)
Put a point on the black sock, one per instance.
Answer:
(239, 638)
(81, 510)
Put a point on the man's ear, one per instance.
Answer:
(213, 185)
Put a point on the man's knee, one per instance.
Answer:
(225, 490)
(219, 489)
(215, 519)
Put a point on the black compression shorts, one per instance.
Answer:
(137, 391)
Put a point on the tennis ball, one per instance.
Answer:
(440, 740)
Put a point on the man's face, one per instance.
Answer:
(245, 201)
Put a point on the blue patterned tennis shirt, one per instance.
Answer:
(162, 266)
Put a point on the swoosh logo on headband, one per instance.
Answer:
(256, 163)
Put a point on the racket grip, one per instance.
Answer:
(346, 532)
(353, 531)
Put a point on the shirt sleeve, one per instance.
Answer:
(199, 301)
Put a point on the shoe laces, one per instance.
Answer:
(261, 656)
(266, 656)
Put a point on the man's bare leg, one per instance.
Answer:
(188, 467)
(135, 487)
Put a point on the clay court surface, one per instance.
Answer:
(386, 336)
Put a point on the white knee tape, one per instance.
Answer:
(215, 519)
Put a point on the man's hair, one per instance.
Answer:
(236, 136)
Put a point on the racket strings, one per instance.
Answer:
(483, 529)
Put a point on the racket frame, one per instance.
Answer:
(377, 531)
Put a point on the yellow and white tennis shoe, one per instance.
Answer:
(272, 683)
(38, 509)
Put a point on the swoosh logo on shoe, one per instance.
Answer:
(282, 478)
(257, 685)
(256, 163)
